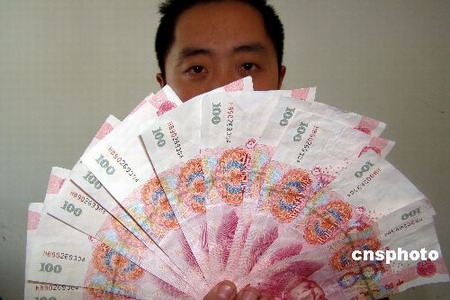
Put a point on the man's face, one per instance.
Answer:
(218, 43)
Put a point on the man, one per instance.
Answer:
(204, 44)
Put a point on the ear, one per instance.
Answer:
(160, 80)
(281, 76)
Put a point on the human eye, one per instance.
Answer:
(197, 69)
(248, 67)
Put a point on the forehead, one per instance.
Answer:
(220, 26)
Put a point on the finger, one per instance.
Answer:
(265, 296)
(248, 293)
(225, 290)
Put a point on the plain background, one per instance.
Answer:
(65, 65)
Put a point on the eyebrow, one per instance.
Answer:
(192, 51)
(255, 47)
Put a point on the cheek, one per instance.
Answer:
(186, 90)
(266, 81)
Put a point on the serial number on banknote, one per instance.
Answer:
(121, 161)
(403, 226)
(87, 201)
(64, 256)
(56, 287)
(175, 139)
(308, 142)
(366, 181)
(230, 122)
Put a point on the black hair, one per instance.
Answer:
(170, 10)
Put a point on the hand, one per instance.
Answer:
(226, 290)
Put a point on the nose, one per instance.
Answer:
(223, 76)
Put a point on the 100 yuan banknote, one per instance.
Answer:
(85, 262)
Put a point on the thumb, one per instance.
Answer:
(225, 290)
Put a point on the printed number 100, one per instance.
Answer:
(48, 267)
(104, 163)
(159, 137)
(71, 208)
(44, 298)
(92, 180)
(364, 169)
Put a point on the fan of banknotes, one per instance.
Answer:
(268, 189)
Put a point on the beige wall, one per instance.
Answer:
(65, 65)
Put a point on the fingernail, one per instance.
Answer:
(225, 291)
(248, 295)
